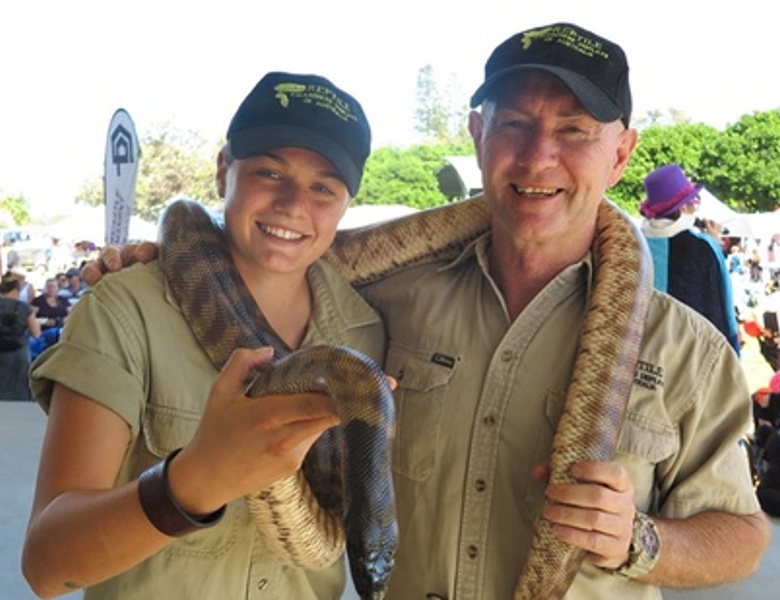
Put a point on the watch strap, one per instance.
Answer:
(644, 550)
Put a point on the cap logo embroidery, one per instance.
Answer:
(566, 36)
(283, 91)
(317, 95)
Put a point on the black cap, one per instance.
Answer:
(303, 111)
(593, 68)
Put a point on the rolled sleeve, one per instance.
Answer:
(100, 355)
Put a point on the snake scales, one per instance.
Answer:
(304, 517)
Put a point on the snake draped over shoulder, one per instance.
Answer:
(305, 517)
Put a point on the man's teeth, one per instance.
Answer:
(284, 234)
(536, 191)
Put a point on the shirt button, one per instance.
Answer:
(262, 584)
(471, 551)
(480, 485)
(507, 355)
(489, 420)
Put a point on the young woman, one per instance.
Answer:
(128, 385)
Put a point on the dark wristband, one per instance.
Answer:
(162, 510)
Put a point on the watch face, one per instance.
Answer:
(649, 539)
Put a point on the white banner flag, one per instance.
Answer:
(119, 174)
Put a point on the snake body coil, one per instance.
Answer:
(303, 517)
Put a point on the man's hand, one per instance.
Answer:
(596, 513)
(115, 258)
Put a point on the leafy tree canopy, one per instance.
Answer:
(171, 164)
(743, 165)
(14, 210)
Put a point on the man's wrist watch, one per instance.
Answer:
(644, 550)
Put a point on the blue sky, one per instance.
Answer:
(65, 67)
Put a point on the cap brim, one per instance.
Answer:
(593, 99)
(258, 140)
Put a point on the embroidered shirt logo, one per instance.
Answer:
(649, 376)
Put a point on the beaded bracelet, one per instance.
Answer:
(154, 493)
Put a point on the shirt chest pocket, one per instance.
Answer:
(643, 444)
(166, 428)
(422, 381)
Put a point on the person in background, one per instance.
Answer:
(17, 325)
(26, 289)
(62, 280)
(768, 489)
(483, 348)
(75, 287)
(688, 263)
(53, 310)
(118, 509)
(51, 306)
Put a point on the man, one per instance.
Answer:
(689, 264)
(483, 351)
(75, 287)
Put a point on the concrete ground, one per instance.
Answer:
(21, 431)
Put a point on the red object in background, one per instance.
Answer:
(752, 328)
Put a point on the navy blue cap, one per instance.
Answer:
(593, 68)
(303, 111)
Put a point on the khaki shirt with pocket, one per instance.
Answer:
(127, 346)
(478, 402)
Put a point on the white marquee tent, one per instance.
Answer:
(749, 225)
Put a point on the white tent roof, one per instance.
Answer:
(748, 225)
(368, 214)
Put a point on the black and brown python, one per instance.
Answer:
(301, 517)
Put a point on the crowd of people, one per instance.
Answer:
(730, 281)
(30, 322)
(735, 284)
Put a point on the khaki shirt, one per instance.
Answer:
(127, 346)
(478, 402)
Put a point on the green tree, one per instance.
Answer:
(17, 207)
(91, 192)
(397, 176)
(407, 176)
(430, 115)
(743, 167)
(171, 164)
(441, 113)
(682, 143)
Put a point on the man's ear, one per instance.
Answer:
(625, 148)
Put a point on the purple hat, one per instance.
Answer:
(668, 190)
